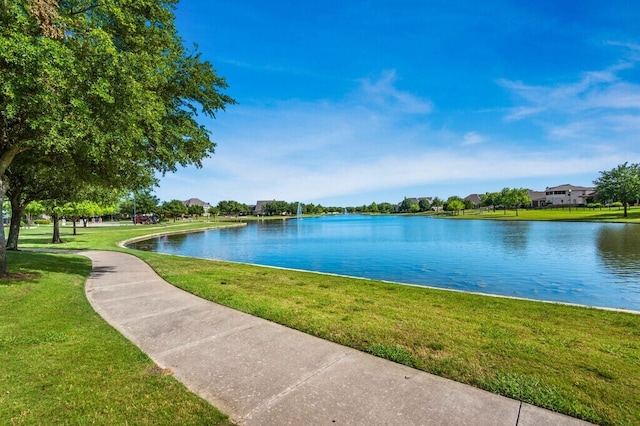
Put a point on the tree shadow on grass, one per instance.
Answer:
(27, 266)
(618, 214)
(34, 239)
(20, 277)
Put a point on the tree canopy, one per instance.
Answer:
(513, 197)
(195, 210)
(408, 204)
(232, 207)
(174, 209)
(105, 88)
(140, 202)
(621, 183)
(454, 204)
(274, 208)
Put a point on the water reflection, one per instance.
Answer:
(515, 235)
(619, 249)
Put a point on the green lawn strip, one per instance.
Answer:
(106, 237)
(62, 364)
(578, 361)
(577, 214)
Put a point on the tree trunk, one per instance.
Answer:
(4, 270)
(75, 232)
(56, 229)
(5, 160)
(625, 208)
(14, 226)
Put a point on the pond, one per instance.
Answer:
(594, 264)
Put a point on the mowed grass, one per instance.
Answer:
(577, 214)
(578, 361)
(62, 364)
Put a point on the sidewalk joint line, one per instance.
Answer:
(209, 338)
(271, 401)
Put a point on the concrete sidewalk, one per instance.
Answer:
(261, 373)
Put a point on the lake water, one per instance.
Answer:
(590, 264)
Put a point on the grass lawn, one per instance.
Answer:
(577, 214)
(62, 364)
(578, 361)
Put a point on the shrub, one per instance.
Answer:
(42, 222)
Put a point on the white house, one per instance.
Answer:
(197, 202)
(568, 195)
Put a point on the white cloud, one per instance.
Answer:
(472, 138)
(595, 90)
(294, 182)
(378, 138)
(383, 93)
(598, 109)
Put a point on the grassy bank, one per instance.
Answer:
(62, 364)
(582, 362)
(578, 361)
(577, 214)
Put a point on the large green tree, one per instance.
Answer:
(437, 203)
(425, 205)
(142, 202)
(512, 197)
(105, 85)
(454, 204)
(31, 177)
(195, 210)
(621, 183)
(275, 208)
(91, 203)
(232, 207)
(490, 199)
(406, 206)
(174, 209)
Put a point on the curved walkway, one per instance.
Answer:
(261, 373)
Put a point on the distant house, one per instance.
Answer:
(413, 200)
(258, 209)
(568, 195)
(197, 202)
(475, 199)
(538, 198)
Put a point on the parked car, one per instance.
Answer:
(146, 220)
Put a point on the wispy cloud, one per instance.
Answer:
(382, 93)
(379, 137)
(600, 89)
(600, 110)
(472, 138)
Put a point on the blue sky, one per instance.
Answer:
(346, 103)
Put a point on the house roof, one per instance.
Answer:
(568, 186)
(195, 202)
(260, 205)
(474, 198)
(416, 200)
(536, 195)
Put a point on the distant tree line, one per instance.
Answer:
(507, 198)
(617, 187)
